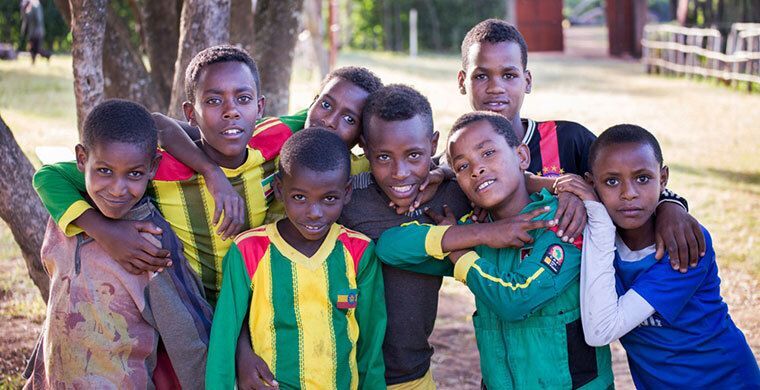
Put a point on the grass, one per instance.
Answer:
(709, 134)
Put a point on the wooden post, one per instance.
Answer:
(413, 33)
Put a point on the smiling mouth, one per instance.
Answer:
(232, 132)
(402, 191)
(631, 212)
(313, 228)
(484, 185)
(495, 104)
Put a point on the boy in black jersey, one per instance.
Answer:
(495, 77)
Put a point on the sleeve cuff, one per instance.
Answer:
(672, 201)
(463, 265)
(434, 241)
(66, 222)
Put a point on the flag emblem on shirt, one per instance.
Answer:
(554, 257)
(347, 300)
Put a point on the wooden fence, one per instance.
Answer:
(698, 51)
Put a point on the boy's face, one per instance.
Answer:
(313, 200)
(116, 175)
(628, 180)
(488, 170)
(338, 108)
(495, 79)
(225, 109)
(399, 155)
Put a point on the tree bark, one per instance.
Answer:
(276, 25)
(241, 24)
(124, 72)
(202, 25)
(88, 25)
(160, 27)
(20, 207)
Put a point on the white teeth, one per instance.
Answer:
(485, 184)
(232, 131)
(402, 188)
(312, 227)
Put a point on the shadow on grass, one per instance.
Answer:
(427, 65)
(723, 174)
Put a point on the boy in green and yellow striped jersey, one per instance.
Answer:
(312, 289)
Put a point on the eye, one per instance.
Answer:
(508, 76)
(135, 174)
(383, 157)
(489, 153)
(611, 182)
(349, 119)
(415, 155)
(104, 171)
(479, 76)
(245, 99)
(643, 179)
(213, 101)
(461, 167)
(331, 198)
(326, 105)
(299, 197)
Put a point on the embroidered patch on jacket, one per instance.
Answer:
(347, 300)
(554, 257)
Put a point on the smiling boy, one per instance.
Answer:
(313, 288)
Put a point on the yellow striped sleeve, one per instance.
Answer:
(463, 265)
(434, 241)
(66, 222)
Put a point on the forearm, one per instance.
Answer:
(535, 183)
(176, 139)
(605, 317)
(61, 188)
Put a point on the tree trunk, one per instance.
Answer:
(276, 25)
(20, 207)
(160, 26)
(125, 74)
(88, 25)
(241, 24)
(203, 24)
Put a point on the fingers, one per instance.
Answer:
(266, 375)
(541, 224)
(693, 244)
(576, 226)
(218, 207)
(683, 251)
(447, 211)
(438, 218)
(535, 213)
(131, 268)
(147, 227)
(660, 246)
(700, 240)
(563, 215)
(222, 230)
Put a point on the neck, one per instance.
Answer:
(640, 237)
(291, 235)
(220, 159)
(518, 127)
(512, 205)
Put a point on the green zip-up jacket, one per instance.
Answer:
(527, 323)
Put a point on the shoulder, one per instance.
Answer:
(355, 243)
(171, 169)
(565, 128)
(269, 136)
(362, 181)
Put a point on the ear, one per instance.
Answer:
(154, 166)
(528, 81)
(81, 154)
(434, 142)
(523, 156)
(278, 186)
(349, 191)
(262, 105)
(460, 79)
(664, 173)
(189, 111)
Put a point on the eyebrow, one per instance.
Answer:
(237, 90)
(477, 147)
(511, 67)
(350, 111)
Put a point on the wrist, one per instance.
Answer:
(91, 222)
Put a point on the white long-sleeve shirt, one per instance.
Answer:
(605, 316)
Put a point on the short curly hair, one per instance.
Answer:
(357, 75)
(494, 31)
(624, 134)
(316, 149)
(499, 123)
(122, 121)
(213, 55)
(397, 102)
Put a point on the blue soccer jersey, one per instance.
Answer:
(690, 340)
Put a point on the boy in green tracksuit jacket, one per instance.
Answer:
(526, 285)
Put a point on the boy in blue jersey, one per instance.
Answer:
(675, 327)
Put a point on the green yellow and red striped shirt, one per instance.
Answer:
(183, 198)
(318, 322)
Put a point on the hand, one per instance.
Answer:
(456, 255)
(425, 193)
(680, 234)
(226, 200)
(479, 214)
(513, 232)
(252, 371)
(447, 219)
(575, 185)
(123, 240)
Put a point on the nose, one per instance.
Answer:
(628, 191)
(118, 188)
(477, 170)
(230, 111)
(314, 211)
(495, 85)
(330, 120)
(400, 170)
